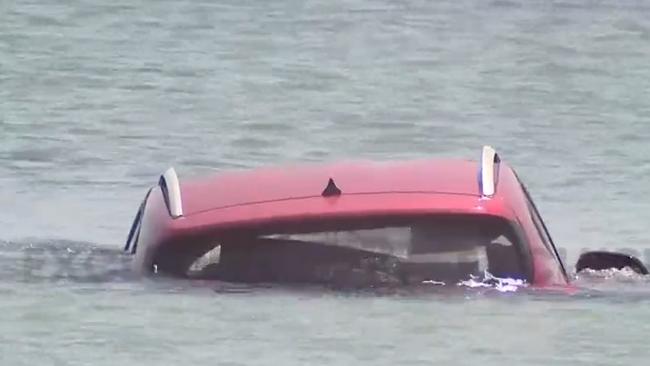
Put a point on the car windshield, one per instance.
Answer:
(445, 249)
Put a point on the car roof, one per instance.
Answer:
(237, 188)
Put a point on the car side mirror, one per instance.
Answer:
(599, 260)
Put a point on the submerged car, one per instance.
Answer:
(428, 221)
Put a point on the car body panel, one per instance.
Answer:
(302, 181)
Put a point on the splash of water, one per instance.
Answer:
(488, 280)
(626, 274)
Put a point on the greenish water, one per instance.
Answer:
(97, 98)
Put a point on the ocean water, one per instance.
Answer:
(98, 98)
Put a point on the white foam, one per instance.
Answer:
(432, 282)
(491, 281)
(626, 273)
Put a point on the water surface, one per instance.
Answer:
(98, 98)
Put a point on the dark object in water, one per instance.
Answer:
(599, 260)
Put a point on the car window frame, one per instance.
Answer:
(541, 228)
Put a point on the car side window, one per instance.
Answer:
(541, 228)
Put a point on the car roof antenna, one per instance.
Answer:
(331, 189)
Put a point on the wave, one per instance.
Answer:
(62, 260)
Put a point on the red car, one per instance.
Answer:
(429, 221)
